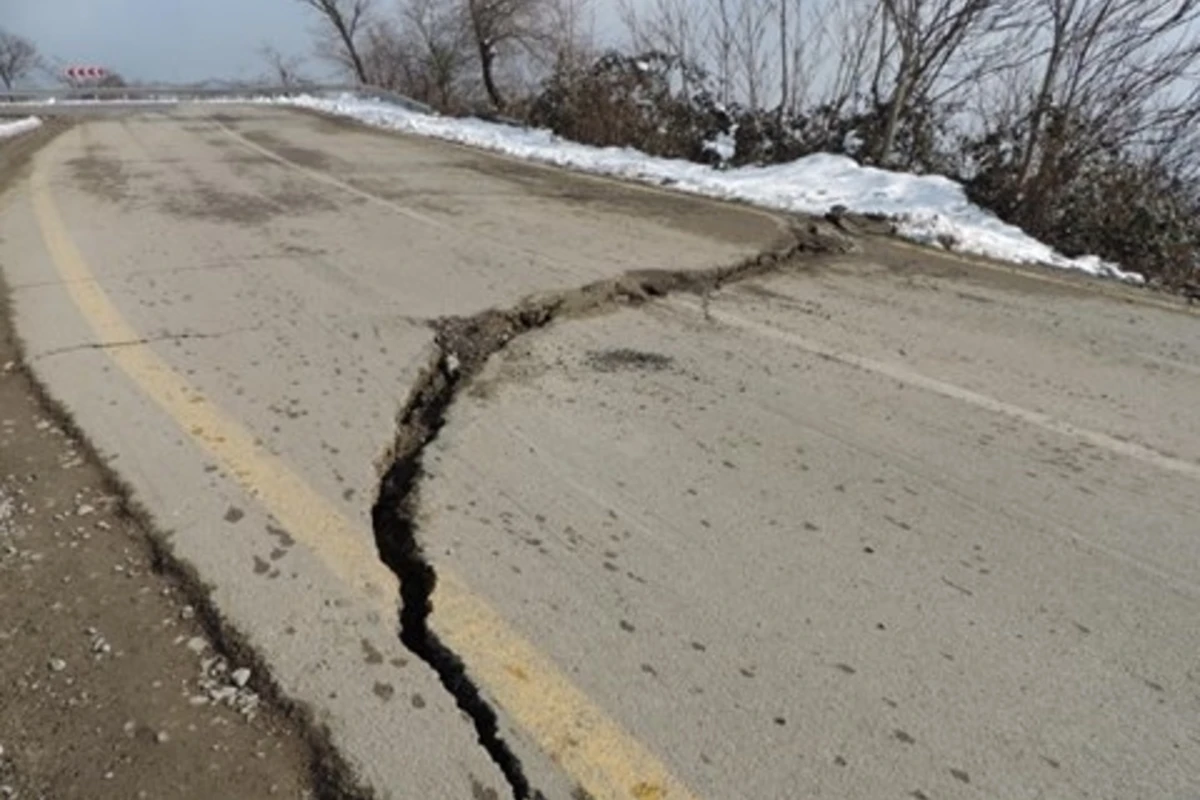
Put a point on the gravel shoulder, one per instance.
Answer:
(112, 684)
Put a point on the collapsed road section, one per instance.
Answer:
(463, 346)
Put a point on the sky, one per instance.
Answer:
(169, 41)
(163, 40)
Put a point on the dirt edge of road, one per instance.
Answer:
(16, 153)
(330, 775)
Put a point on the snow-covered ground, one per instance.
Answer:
(927, 208)
(17, 127)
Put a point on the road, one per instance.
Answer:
(872, 522)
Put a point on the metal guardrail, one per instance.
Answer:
(44, 100)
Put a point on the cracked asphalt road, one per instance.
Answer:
(877, 524)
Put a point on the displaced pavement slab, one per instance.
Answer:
(854, 531)
(235, 330)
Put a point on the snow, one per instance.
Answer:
(18, 127)
(926, 208)
(724, 145)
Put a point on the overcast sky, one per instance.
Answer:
(165, 40)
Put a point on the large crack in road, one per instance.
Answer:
(1069, 342)
(462, 346)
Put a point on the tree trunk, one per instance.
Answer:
(783, 62)
(1037, 117)
(487, 60)
(482, 28)
(887, 139)
(360, 72)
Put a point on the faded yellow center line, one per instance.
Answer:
(577, 735)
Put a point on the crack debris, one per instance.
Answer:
(462, 345)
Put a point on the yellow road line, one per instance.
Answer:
(577, 735)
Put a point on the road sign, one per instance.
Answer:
(83, 73)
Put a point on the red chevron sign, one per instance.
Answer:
(79, 73)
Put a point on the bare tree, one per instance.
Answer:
(285, 70)
(722, 33)
(445, 47)
(497, 25)
(346, 20)
(1113, 70)
(784, 47)
(674, 28)
(821, 45)
(750, 47)
(425, 55)
(928, 34)
(571, 33)
(850, 34)
(18, 58)
(388, 57)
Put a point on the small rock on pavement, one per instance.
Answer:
(241, 677)
(57, 665)
(224, 694)
(197, 644)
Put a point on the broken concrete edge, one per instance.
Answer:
(331, 775)
(462, 346)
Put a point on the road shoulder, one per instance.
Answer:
(120, 680)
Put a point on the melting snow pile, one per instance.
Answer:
(927, 208)
(17, 127)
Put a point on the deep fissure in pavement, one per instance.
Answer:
(395, 535)
(462, 347)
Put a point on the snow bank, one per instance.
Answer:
(928, 209)
(17, 127)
